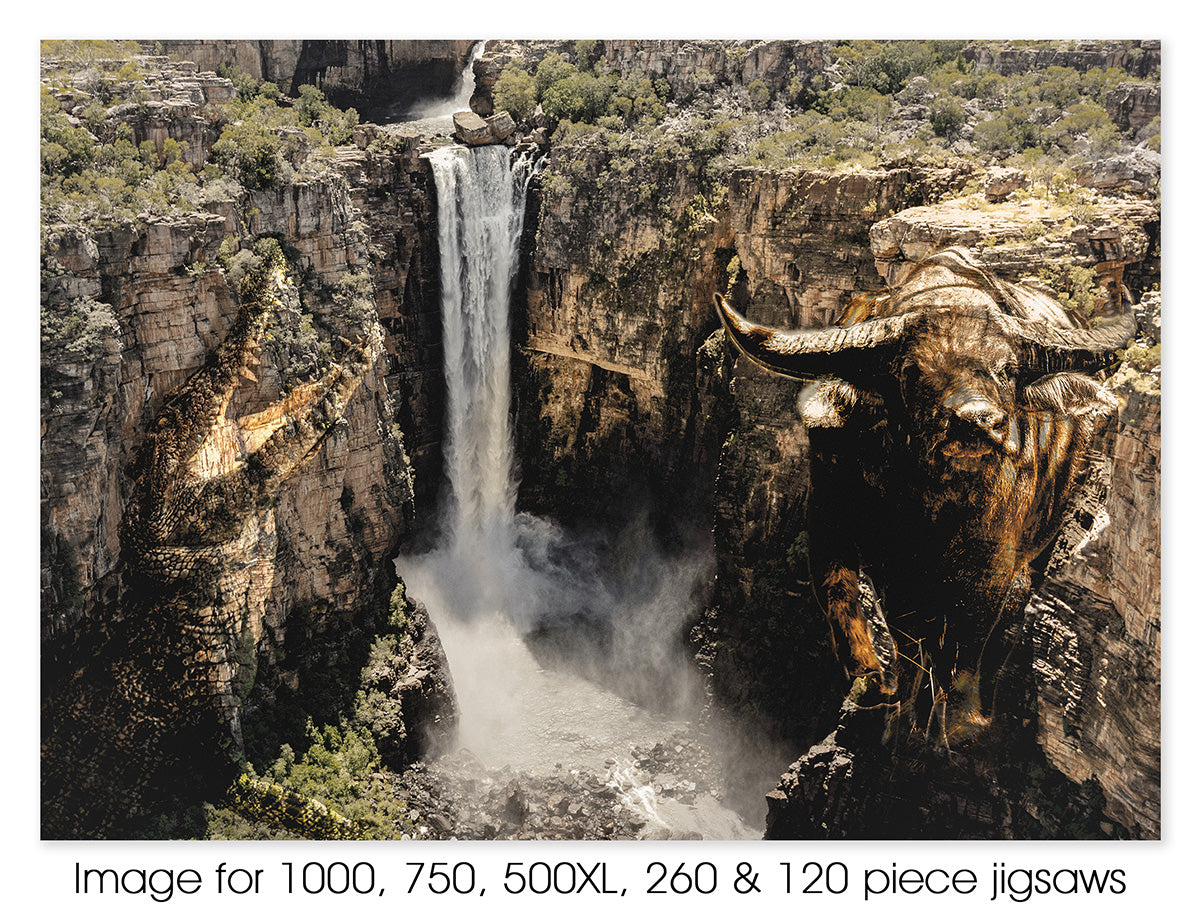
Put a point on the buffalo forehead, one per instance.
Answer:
(953, 337)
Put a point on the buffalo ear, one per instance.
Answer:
(1068, 394)
(831, 402)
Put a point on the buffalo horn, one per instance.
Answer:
(1049, 349)
(811, 354)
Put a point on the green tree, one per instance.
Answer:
(553, 67)
(760, 95)
(250, 152)
(1060, 86)
(312, 108)
(946, 116)
(244, 84)
(994, 134)
(66, 149)
(583, 51)
(636, 100)
(515, 92)
(577, 97)
(1084, 117)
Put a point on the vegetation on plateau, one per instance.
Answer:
(95, 169)
(880, 101)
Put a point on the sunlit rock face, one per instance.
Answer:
(371, 76)
(1140, 59)
(304, 578)
(1097, 636)
(171, 307)
(597, 347)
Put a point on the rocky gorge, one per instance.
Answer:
(627, 404)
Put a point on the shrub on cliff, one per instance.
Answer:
(337, 125)
(887, 66)
(1087, 119)
(262, 104)
(332, 784)
(760, 95)
(551, 69)
(78, 330)
(1079, 288)
(250, 152)
(244, 84)
(515, 92)
(66, 149)
(115, 181)
(640, 100)
(577, 96)
(93, 172)
(946, 116)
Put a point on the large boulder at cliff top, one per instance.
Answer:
(471, 129)
(501, 125)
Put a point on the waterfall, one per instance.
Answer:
(476, 583)
(460, 99)
(497, 575)
(481, 210)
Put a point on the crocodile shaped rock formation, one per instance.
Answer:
(151, 702)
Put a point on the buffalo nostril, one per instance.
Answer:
(977, 410)
(991, 420)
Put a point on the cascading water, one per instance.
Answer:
(437, 114)
(497, 575)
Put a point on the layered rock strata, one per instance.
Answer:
(372, 76)
(136, 309)
(613, 311)
(616, 303)
(1007, 58)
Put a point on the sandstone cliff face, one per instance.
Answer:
(805, 244)
(616, 303)
(1024, 238)
(136, 308)
(1133, 106)
(1009, 58)
(391, 191)
(368, 75)
(1097, 636)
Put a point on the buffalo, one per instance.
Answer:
(956, 443)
